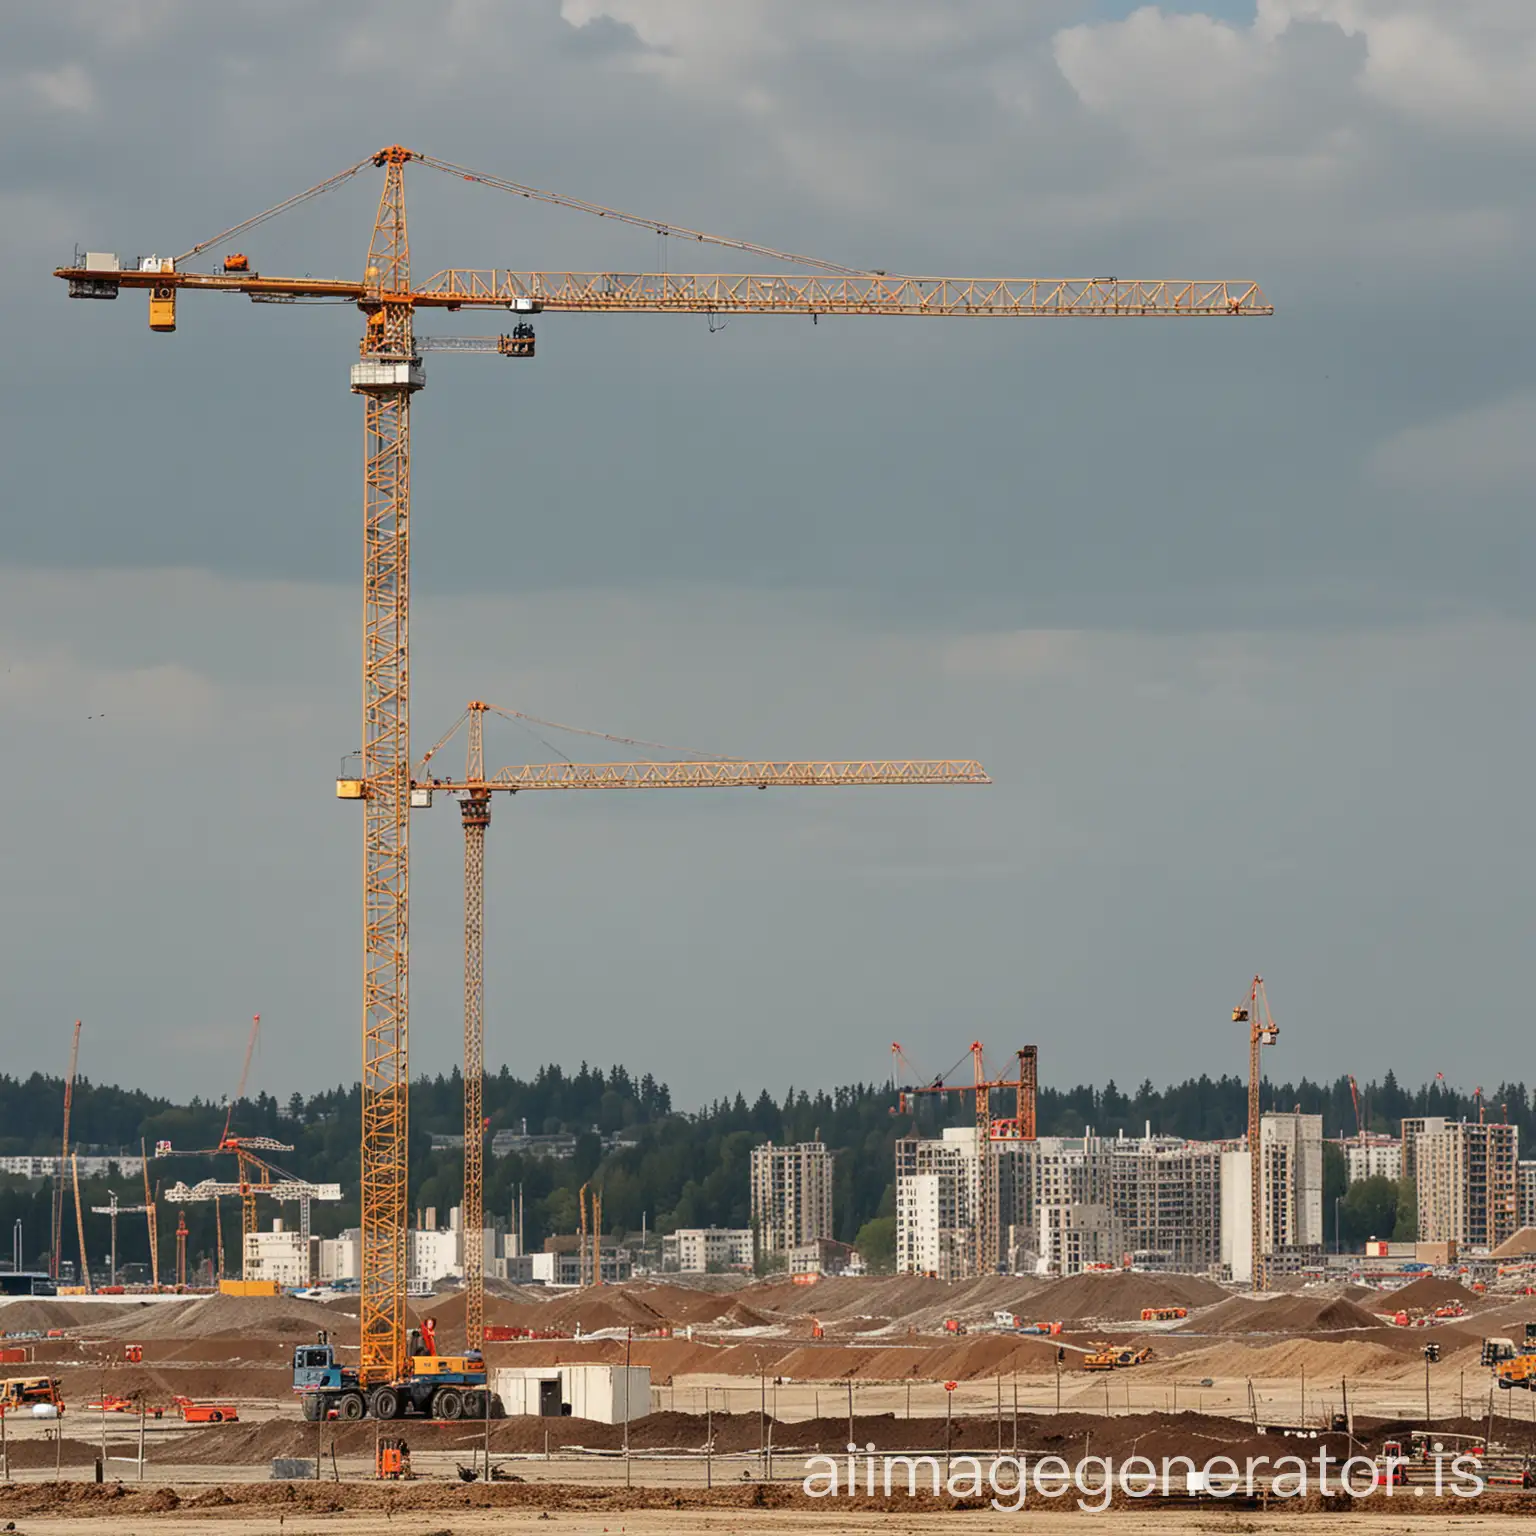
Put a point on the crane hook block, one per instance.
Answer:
(162, 307)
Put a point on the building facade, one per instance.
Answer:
(1372, 1157)
(1467, 1183)
(791, 1196)
(703, 1250)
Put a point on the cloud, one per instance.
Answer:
(1489, 450)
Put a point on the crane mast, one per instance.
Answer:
(57, 1248)
(475, 813)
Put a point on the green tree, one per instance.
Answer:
(877, 1242)
(1406, 1229)
(1335, 1175)
(1369, 1209)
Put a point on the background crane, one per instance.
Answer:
(56, 1249)
(113, 1210)
(474, 791)
(387, 374)
(1262, 1031)
(1020, 1126)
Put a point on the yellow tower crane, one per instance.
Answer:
(474, 793)
(387, 374)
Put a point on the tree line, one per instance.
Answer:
(672, 1168)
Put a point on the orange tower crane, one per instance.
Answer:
(181, 1251)
(1354, 1098)
(1262, 1030)
(474, 791)
(388, 373)
(56, 1248)
(985, 1257)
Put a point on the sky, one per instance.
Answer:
(1236, 614)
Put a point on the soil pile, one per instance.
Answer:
(1120, 1295)
(1283, 1314)
(1427, 1293)
(210, 1317)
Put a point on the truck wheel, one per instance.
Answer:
(350, 1405)
(215, 1417)
(385, 1403)
(474, 1405)
(312, 1405)
(448, 1405)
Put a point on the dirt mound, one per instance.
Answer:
(1428, 1292)
(1319, 1358)
(1120, 1295)
(1283, 1314)
(256, 1317)
(29, 1314)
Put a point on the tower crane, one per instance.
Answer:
(475, 790)
(387, 374)
(113, 1210)
(1354, 1098)
(57, 1247)
(1262, 1030)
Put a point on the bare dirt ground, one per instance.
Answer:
(735, 1365)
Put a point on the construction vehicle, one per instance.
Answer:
(1520, 1371)
(433, 1386)
(1104, 1358)
(110, 1403)
(1163, 1314)
(387, 373)
(1496, 1351)
(954, 1325)
(206, 1413)
(30, 1392)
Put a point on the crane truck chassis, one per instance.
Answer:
(434, 1387)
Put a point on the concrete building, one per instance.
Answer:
(705, 1250)
(278, 1255)
(791, 1196)
(1293, 1181)
(1372, 1157)
(1291, 1160)
(93, 1167)
(1525, 1192)
(1467, 1184)
(1412, 1130)
(1166, 1194)
(935, 1202)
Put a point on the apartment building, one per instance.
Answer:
(1468, 1184)
(1166, 1194)
(1412, 1129)
(703, 1250)
(791, 1196)
(1372, 1157)
(1525, 1192)
(935, 1204)
(1291, 1194)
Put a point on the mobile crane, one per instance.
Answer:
(432, 1385)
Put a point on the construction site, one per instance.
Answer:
(1046, 1298)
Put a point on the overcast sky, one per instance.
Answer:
(1236, 613)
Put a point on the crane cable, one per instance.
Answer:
(527, 720)
(660, 226)
(260, 218)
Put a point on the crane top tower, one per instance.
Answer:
(387, 373)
